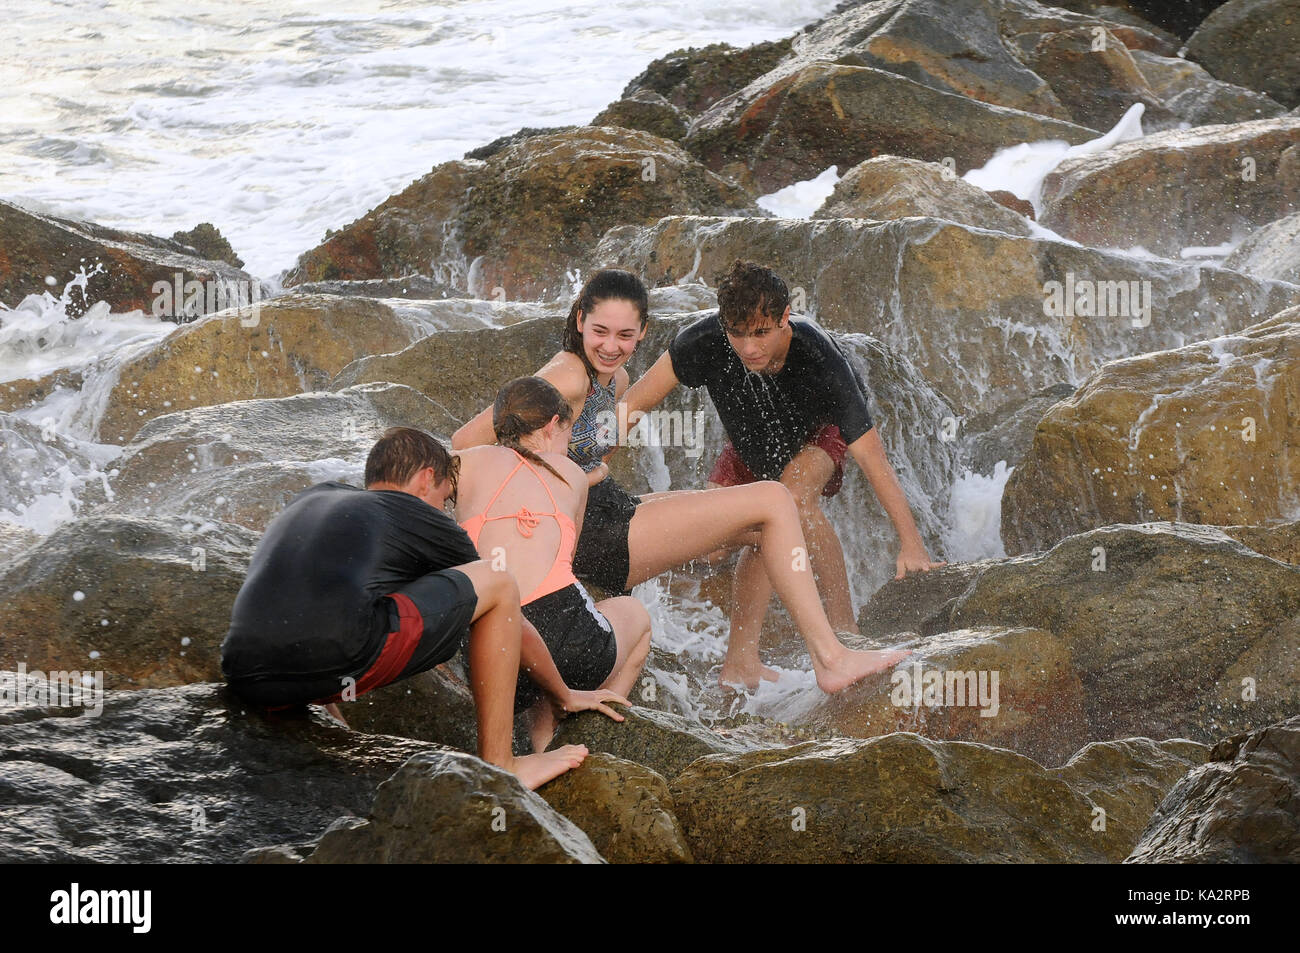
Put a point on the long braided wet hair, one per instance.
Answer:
(524, 405)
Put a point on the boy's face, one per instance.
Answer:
(761, 342)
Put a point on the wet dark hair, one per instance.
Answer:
(604, 285)
(402, 452)
(524, 405)
(747, 289)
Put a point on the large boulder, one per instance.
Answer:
(434, 706)
(1013, 688)
(1242, 807)
(1271, 252)
(1175, 189)
(241, 462)
(958, 46)
(145, 601)
(1199, 434)
(899, 798)
(1128, 778)
(1252, 43)
(625, 808)
(694, 79)
(1175, 630)
(1094, 76)
(178, 775)
(792, 123)
(121, 268)
(659, 740)
(294, 344)
(981, 336)
(513, 225)
(889, 187)
(446, 807)
(1196, 97)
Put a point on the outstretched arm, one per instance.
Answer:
(870, 454)
(654, 385)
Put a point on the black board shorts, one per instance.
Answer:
(580, 639)
(601, 555)
(427, 623)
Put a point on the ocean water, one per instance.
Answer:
(278, 119)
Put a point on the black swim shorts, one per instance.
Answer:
(426, 621)
(601, 556)
(580, 639)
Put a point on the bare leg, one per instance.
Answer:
(751, 595)
(667, 532)
(632, 632)
(494, 667)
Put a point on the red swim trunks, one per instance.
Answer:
(730, 470)
(397, 651)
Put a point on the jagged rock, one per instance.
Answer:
(1179, 17)
(1252, 43)
(1012, 688)
(25, 392)
(1173, 628)
(123, 267)
(145, 601)
(957, 46)
(1096, 86)
(694, 79)
(1127, 779)
(1007, 433)
(625, 808)
(242, 462)
(519, 220)
(1280, 541)
(889, 187)
(448, 807)
(1240, 808)
(1199, 434)
(434, 706)
(206, 240)
(1196, 97)
(902, 607)
(1271, 252)
(1173, 189)
(898, 798)
(416, 287)
(981, 336)
(292, 344)
(791, 124)
(661, 741)
(519, 135)
(180, 775)
(645, 110)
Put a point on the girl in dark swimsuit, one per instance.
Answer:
(626, 540)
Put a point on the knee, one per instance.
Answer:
(776, 495)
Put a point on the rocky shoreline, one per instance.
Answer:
(1144, 625)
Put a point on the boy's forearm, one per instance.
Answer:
(884, 481)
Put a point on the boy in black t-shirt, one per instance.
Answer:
(792, 406)
(352, 589)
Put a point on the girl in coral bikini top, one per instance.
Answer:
(535, 518)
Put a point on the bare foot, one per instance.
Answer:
(542, 729)
(534, 770)
(852, 666)
(744, 676)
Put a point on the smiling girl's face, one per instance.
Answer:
(610, 333)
